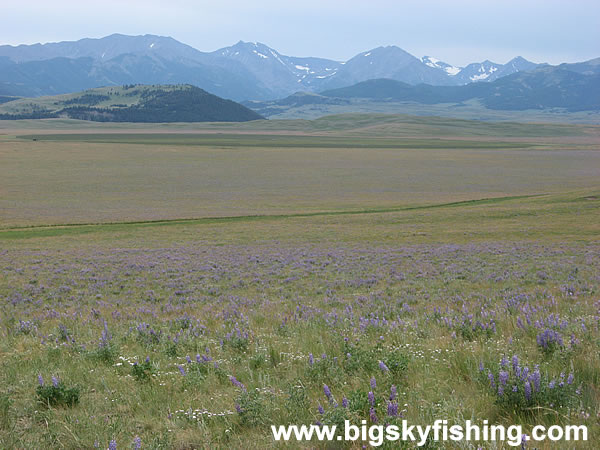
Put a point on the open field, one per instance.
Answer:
(298, 258)
(333, 164)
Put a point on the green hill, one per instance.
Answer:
(132, 103)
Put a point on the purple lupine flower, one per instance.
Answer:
(393, 392)
(515, 363)
(327, 393)
(504, 362)
(238, 408)
(137, 443)
(40, 380)
(54, 381)
(311, 359)
(235, 382)
(112, 445)
(570, 379)
(371, 398)
(537, 379)
(372, 415)
(198, 358)
(181, 370)
(147, 360)
(524, 439)
(188, 359)
(321, 410)
(527, 389)
(500, 390)
(345, 402)
(383, 367)
(491, 378)
(503, 377)
(552, 384)
(392, 409)
(481, 368)
(515, 388)
(373, 383)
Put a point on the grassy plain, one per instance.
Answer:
(457, 244)
(331, 164)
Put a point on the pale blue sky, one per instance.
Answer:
(457, 32)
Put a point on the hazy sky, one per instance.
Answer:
(458, 31)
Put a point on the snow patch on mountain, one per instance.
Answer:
(437, 64)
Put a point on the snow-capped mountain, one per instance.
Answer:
(244, 71)
(280, 73)
(490, 71)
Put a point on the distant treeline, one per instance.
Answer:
(5, 99)
(30, 115)
(87, 99)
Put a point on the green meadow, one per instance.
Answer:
(188, 285)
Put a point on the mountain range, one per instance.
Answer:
(244, 71)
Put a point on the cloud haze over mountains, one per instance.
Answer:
(460, 32)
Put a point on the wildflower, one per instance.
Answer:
(235, 382)
(373, 383)
(188, 359)
(112, 445)
(371, 398)
(345, 402)
(503, 377)
(524, 439)
(481, 368)
(552, 384)
(54, 381)
(311, 359)
(372, 415)
(570, 379)
(198, 358)
(393, 392)
(327, 393)
(40, 380)
(504, 362)
(383, 367)
(515, 388)
(536, 378)
(515, 363)
(181, 370)
(137, 443)
(321, 410)
(392, 409)
(491, 378)
(527, 389)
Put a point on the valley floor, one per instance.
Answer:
(259, 269)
